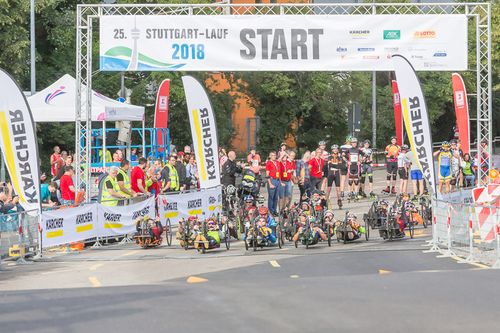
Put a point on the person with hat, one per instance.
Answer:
(444, 156)
(391, 153)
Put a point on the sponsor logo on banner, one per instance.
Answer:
(391, 49)
(440, 54)
(162, 103)
(52, 95)
(460, 98)
(415, 56)
(359, 33)
(84, 222)
(433, 65)
(341, 49)
(371, 57)
(392, 34)
(425, 34)
(18, 143)
(204, 132)
(169, 206)
(366, 49)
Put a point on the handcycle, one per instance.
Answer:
(149, 232)
(309, 235)
(349, 229)
(258, 235)
(212, 234)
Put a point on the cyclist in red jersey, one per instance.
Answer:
(391, 154)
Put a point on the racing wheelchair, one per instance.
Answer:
(311, 232)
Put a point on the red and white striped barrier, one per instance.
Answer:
(488, 200)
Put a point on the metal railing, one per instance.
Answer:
(19, 235)
(459, 231)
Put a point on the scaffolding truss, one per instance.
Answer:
(479, 15)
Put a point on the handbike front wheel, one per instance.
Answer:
(168, 232)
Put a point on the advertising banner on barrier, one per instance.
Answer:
(461, 110)
(203, 131)
(120, 220)
(281, 42)
(18, 143)
(64, 226)
(416, 118)
(176, 206)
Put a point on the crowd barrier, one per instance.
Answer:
(96, 223)
(461, 230)
(19, 236)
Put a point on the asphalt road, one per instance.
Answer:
(374, 286)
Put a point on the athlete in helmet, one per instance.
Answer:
(391, 154)
(333, 167)
(344, 152)
(444, 166)
(354, 169)
(322, 145)
(403, 167)
(367, 169)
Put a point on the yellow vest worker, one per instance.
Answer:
(126, 182)
(173, 177)
(106, 198)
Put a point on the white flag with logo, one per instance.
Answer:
(416, 118)
(18, 143)
(204, 132)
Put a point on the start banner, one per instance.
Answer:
(120, 220)
(281, 42)
(204, 202)
(64, 226)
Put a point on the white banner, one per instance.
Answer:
(68, 225)
(120, 220)
(281, 42)
(203, 132)
(18, 143)
(176, 206)
(416, 118)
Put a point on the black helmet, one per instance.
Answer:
(367, 142)
(405, 147)
(334, 147)
(393, 138)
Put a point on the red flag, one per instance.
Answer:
(161, 109)
(461, 110)
(398, 114)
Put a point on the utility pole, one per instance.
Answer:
(32, 51)
(374, 109)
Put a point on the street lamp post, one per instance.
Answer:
(32, 40)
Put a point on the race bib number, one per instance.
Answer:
(354, 158)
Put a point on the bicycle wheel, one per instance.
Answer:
(329, 237)
(227, 238)
(367, 230)
(168, 232)
(279, 235)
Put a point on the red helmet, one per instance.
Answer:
(192, 218)
(263, 210)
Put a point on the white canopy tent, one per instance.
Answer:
(57, 103)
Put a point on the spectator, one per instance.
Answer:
(67, 162)
(138, 177)
(222, 157)
(468, 170)
(303, 176)
(46, 193)
(8, 203)
(118, 156)
(191, 173)
(180, 166)
(230, 169)
(170, 177)
(56, 161)
(133, 154)
(254, 161)
(67, 187)
(124, 180)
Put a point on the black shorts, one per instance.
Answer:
(392, 168)
(354, 171)
(343, 169)
(334, 177)
(403, 174)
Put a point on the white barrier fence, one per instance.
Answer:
(458, 231)
(65, 226)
